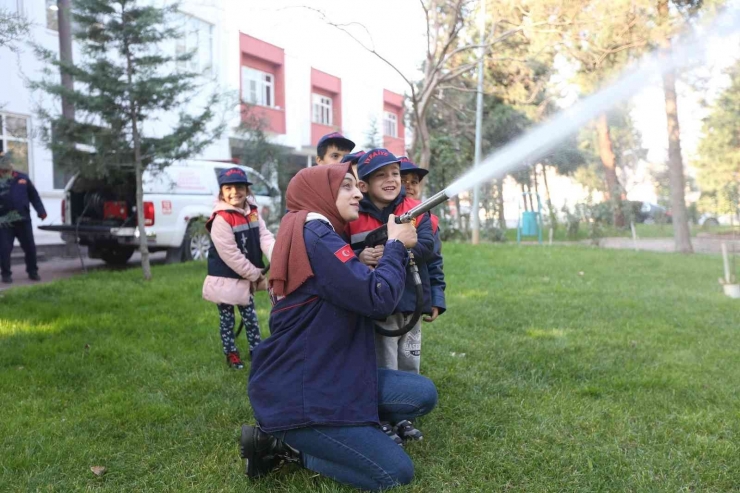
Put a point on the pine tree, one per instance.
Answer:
(373, 139)
(13, 29)
(124, 80)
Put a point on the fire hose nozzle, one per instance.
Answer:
(423, 208)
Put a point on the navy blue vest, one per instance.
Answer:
(247, 236)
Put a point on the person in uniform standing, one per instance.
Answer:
(17, 194)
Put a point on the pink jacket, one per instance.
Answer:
(235, 291)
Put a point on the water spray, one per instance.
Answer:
(536, 143)
(541, 139)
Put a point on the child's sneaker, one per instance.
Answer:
(234, 361)
(405, 429)
(388, 430)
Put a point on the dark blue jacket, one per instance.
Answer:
(423, 251)
(17, 194)
(318, 365)
(435, 266)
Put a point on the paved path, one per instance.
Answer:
(60, 268)
(700, 244)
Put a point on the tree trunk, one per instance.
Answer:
(458, 219)
(499, 184)
(138, 169)
(529, 195)
(550, 208)
(143, 247)
(65, 54)
(524, 198)
(424, 151)
(606, 153)
(681, 234)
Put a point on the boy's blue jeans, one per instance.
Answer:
(364, 456)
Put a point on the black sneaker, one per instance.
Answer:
(406, 430)
(388, 430)
(263, 453)
(34, 277)
(234, 361)
(7, 279)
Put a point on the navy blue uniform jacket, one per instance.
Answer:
(318, 366)
(17, 194)
(435, 266)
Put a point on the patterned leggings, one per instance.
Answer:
(251, 326)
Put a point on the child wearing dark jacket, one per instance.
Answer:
(383, 195)
(411, 176)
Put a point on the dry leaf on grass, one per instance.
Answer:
(98, 470)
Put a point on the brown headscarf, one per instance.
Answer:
(311, 190)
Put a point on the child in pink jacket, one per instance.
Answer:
(239, 237)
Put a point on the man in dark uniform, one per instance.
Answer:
(17, 193)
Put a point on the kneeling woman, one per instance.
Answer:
(316, 391)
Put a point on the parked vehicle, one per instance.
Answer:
(708, 221)
(648, 213)
(177, 200)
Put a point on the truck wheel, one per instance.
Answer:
(196, 242)
(116, 256)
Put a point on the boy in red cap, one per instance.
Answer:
(332, 148)
(383, 195)
(380, 173)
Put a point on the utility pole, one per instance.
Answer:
(475, 209)
(64, 14)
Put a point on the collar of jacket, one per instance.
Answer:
(367, 206)
(315, 216)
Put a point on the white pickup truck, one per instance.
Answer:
(177, 200)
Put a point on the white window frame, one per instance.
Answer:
(258, 87)
(6, 137)
(390, 124)
(323, 111)
(197, 36)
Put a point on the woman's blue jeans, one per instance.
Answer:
(364, 456)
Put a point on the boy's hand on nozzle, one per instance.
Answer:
(405, 233)
(368, 256)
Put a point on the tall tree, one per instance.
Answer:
(718, 154)
(450, 50)
(124, 80)
(681, 233)
(257, 151)
(373, 139)
(607, 37)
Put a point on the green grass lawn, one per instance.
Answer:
(558, 369)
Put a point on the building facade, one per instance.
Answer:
(299, 95)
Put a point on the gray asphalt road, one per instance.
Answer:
(60, 268)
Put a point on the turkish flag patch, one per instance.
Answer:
(345, 254)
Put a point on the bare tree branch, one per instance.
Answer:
(429, 37)
(372, 50)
